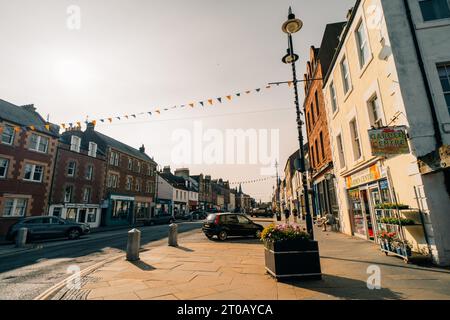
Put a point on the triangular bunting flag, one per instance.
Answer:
(94, 122)
(268, 87)
(79, 123)
(118, 118)
(149, 113)
(63, 125)
(191, 105)
(258, 90)
(220, 100)
(166, 109)
(238, 94)
(290, 83)
(210, 101)
(158, 112)
(110, 120)
(102, 120)
(229, 98)
(126, 116)
(47, 126)
(202, 103)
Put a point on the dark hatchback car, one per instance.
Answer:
(224, 225)
(45, 227)
(162, 218)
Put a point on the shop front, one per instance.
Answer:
(82, 213)
(119, 211)
(164, 207)
(366, 189)
(180, 208)
(143, 207)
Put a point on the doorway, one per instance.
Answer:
(365, 204)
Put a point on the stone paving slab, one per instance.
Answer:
(234, 270)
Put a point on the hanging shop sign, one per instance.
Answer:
(366, 176)
(388, 141)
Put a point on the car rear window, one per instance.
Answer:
(210, 217)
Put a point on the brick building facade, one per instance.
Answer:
(27, 152)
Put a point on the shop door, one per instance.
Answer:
(82, 216)
(375, 199)
(367, 215)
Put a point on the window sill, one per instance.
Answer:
(349, 92)
(433, 24)
(37, 151)
(33, 181)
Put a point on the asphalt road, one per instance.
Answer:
(26, 275)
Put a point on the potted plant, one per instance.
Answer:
(290, 252)
(386, 239)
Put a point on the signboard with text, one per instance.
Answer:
(388, 141)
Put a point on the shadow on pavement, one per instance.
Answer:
(142, 265)
(184, 249)
(242, 240)
(345, 288)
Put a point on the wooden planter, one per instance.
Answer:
(293, 259)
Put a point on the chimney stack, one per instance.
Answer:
(142, 149)
(166, 169)
(90, 126)
(29, 107)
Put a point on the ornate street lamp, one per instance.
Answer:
(291, 26)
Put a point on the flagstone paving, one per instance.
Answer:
(209, 270)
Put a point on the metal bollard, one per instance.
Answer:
(173, 235)
(21, 238)
(133, 245)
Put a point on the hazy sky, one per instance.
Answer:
(132, 56)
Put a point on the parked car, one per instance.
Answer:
(262, 212)
(162, 218)
(45, 227)
(224, 225)
(184, 216)
(199, 214)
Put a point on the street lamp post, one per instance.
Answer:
(293, 25)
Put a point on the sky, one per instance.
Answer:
(133, 56)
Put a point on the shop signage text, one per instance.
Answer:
(363, 177)
(388, 141)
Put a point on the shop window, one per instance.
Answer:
(91, 215)
(434, 9)
(57, 212)
(120, 209)
(15, 207)
(33, 172)
(444, 76)
(71, 214)
(3, 167)
(39, 143)
(8, 135)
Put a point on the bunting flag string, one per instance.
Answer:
(253, 181)
(153, 112)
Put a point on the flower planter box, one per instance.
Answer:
(293, 259)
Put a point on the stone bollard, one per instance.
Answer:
(21, 238)
(173, 235)
(133, 245)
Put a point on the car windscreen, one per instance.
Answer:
(210, 217)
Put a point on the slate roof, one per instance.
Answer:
(176, 182)
(330, 42)
(23, 116)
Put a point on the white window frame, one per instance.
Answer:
(66, 200)
(138, 166)
(14, 207)
(341, 151)
(89, 172)
(12, 134)
(74, 169)
(33, 171)
(355, 139)
(346, 86)
(130, 164)
(87, 194)
(5, 174)
(39, 140)
(92, 149)
(75, 143)
(363, 60)
(129, 184)
(333, 98)
(138, 185)
(376, 123)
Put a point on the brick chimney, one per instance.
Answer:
(142, 149)
(90, 126)
(166, 169)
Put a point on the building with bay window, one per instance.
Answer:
(27, 154)
(389, 122)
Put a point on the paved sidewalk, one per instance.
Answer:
(234, 270)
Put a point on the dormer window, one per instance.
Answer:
(92, 149)
(75, 143)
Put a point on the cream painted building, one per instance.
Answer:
(375, 81)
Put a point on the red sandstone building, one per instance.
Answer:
(321, 161)
(27, 152)
(78, 180)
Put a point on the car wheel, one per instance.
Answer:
(223, 235)
(209, 236)
(74, 234)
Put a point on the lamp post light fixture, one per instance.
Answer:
(291, 26)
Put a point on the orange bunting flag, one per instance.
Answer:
(290, 83)
(191, 105)
(32, 128)
(229, 98)
(247, 92)
(268, 87)
(158, 112)
(210, 101)
(63, 125)
(79, 123)
(126, 117)
(16, 129)
(110, 120)
(94, 122)
(47, 126)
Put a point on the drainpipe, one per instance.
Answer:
(437, 130)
